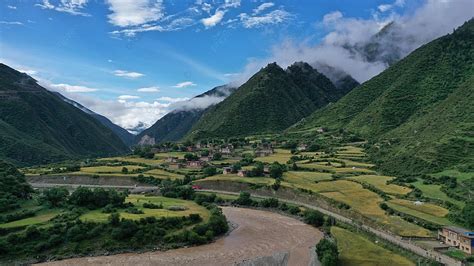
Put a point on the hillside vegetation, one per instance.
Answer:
(419, 112)
(269, 101)
(38, 127)
(176, 124)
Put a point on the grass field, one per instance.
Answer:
(134, 159)
(380, 182)
(138, 200)
(239, 179)
(162, 174)
(367, 203)
(434, 191)
(356, 250)
(455, 173)
(40, 218)
(426, 211)
(107, 169)
(300, 176)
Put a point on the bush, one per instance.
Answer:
(313, 218)
(55, 197)
(269, 203)
(327, 252)
(150, 205)
(97, 198)
(243, 199)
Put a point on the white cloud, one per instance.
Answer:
(30, 72)
(128, 74)
(214, 19)
(11, 23)
(173, 100)
(69, 88)
(184, 84)
(127, 13)
(73, 7)
(274, 17)
(231, 4)
(197, 103)
(262, 7)
(127, 114)
(11, 7)
(128, 97)
(431, 20)
(386, 7)
(149, 89)
(332, 17)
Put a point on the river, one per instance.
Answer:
(258, 234)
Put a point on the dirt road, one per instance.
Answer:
(258, 234)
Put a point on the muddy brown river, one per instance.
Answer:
(258, 234)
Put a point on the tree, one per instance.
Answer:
(468, 214)
(55, 196)
(327, 252)
(313, 218)
(190, 157)
(258, 169)
(124, 170)
(209, 171)
(276, 170)
(216, 156)
(236, 167)
(244, 199)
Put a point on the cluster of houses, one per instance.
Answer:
(457, 237)
(203, 160)
(243, 172)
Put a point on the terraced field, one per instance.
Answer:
(380, 182)
(162, 174)
(426, 211)
(282, 156)
(354, 249)
(434, 191)
(107, 169)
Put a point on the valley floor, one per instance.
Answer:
(257, 234)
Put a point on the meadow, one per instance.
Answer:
(138, 201)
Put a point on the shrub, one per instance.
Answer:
(313, 218)
(327, 252)
(150, 205)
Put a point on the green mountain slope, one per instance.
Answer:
(419, 110)
(269, 101)
(36, 126)
(176, 124)
(122, 133)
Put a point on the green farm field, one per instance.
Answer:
(356, 250)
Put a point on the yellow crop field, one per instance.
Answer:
(380, 182)
(355, 249)
(162, 174)
(281, 155)
(239, 179)
(426, 211)
(108, 169)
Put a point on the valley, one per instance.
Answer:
(291, 161)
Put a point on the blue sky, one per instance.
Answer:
(144, 55)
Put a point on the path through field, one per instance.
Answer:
(258, 234)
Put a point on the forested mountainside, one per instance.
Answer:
(419, 111)
(36, 126)
(270, 101)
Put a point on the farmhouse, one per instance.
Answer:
(242, 173)
(172, 159)
(226, 149)
(195, 164)
(175, 165)
(457, 237)
(205, 159)
(264, 151)
(302, 147)
(227, 170)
